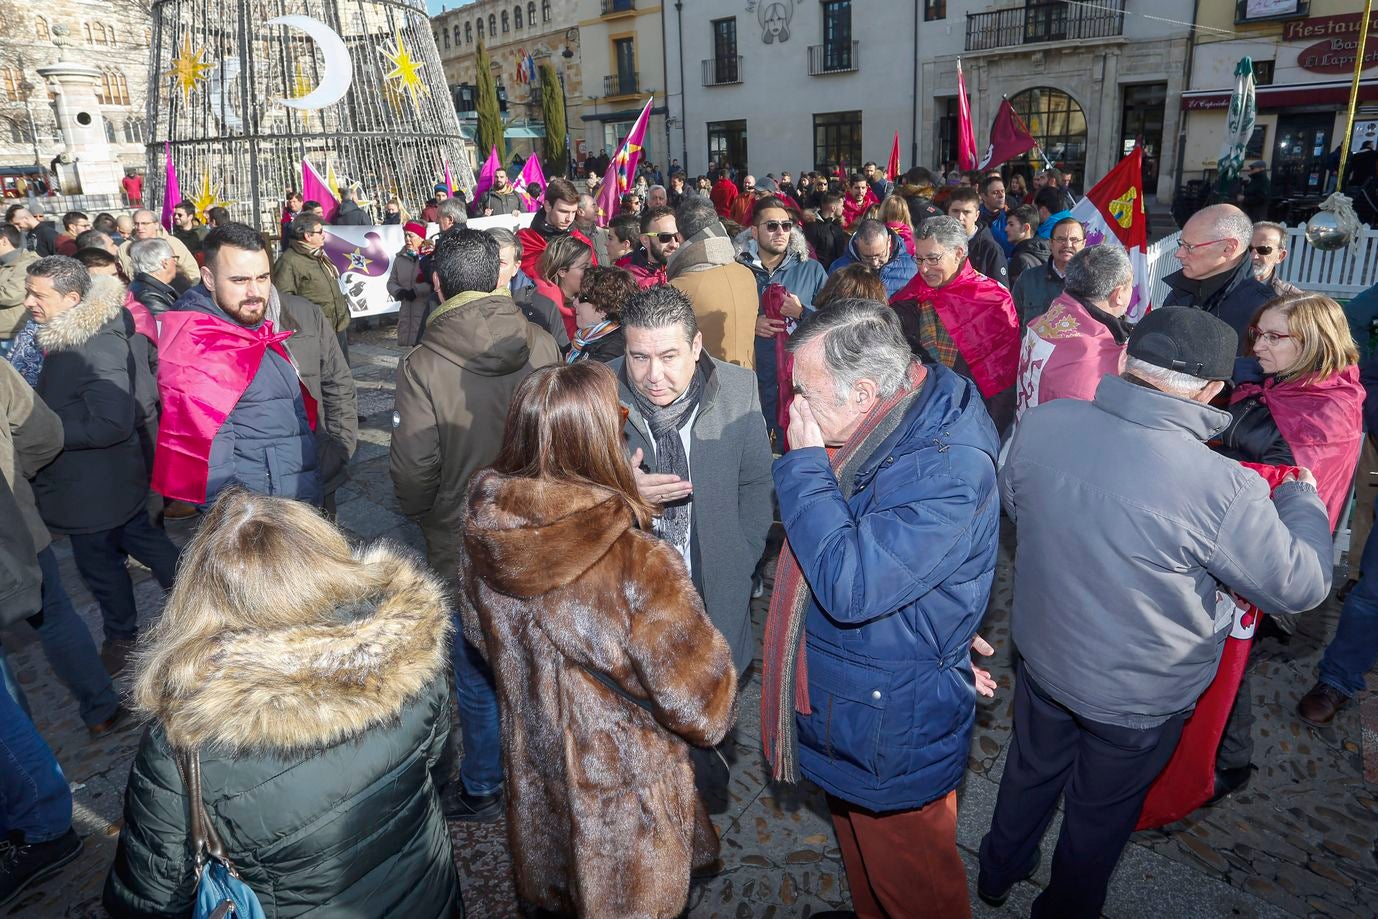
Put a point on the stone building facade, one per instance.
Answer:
(547, 30)
(112, 35)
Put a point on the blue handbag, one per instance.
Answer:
(220, 892)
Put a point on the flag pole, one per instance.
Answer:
(1354, 93)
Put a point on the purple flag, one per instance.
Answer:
(172, 191)
(485, 177)
(531, 174)
(315, 188)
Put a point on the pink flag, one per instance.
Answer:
(315, 188)
(532, 173)
(966, 134)
(449, 179)
(622, 170)
(172, 191)
(485, 177)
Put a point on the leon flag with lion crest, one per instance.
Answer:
(1114, 209)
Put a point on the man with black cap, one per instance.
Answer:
(1131, 535)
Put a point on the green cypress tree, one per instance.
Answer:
(490, 126)
(553, 104)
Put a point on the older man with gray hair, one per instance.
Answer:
(1217, 273)
(888, 501)
(954, 315)
(657, 196)
(146, 226)
(1132, 533)
(155, 268)
(1081, 336)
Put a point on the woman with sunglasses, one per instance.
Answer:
(1308, 411)
(607, 666)
(598, 311)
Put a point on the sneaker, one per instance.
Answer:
(22, 864)
(460, 805)
(997, 898)
(115, 654)
(1320, 706)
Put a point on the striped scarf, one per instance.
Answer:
(587, 336)
(786, 672)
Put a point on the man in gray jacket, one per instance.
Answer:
(1132, 535)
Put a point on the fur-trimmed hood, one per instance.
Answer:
(527, 537)
(70, 330)
(317, 684)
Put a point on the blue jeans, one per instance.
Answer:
(1354, 649)
(34, 798)
(480, 726)
(70, 650)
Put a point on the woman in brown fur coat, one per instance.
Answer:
(606, 664)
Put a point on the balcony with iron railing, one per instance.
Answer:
(722, 71)
(621, 84)
(834, 57)
(1044, 22)
(617, 7)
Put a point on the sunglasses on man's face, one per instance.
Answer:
(778, 226)
(1263, 250)
(666, 237)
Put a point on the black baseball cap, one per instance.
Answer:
(1186, 339)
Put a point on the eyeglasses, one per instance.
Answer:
(1270, 338)
(1263, 250)
(1189, 248)
(1074, 240)
(929, 259)
(666, 237)
(778, 226)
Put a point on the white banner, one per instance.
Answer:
(363, 256)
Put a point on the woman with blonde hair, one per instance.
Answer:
(562, 265)
(894, 213)
(306, 685)
(606, 664)
(1308, 411)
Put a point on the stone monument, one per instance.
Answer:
(86, 165)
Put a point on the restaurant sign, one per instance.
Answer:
(1335, 42)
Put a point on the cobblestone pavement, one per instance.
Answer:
(1297, 842)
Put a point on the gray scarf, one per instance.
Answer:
(670, 459)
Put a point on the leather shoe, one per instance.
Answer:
(998, 898)
(1228, 781)
(119, 721)
(1319, 706)
(460, 805)
(114, 654)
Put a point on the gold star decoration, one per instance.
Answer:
(189, 68)
(406, 70)
(302, 87)
(358, 261)
(208, 198)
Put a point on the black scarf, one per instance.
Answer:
(1117, 325)
(670, 459)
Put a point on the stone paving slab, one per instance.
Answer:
(1297, 842)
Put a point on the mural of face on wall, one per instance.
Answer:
(775, 16)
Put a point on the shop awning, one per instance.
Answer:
(526, 132)
(1285, 96)
(623, 115)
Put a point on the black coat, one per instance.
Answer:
(608, 348)
(153, 293)
(1028, 254)
(987, 257)
(1253, 436)
(828, 239)
(350, 214)
(1234, 299)
(90, 378)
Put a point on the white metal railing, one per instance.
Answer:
(1341, 274)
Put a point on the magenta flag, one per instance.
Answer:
(485, 176)
(532, 173)
(966, 134)
(315, 188)
(172, 191)
(449, 179)
(622, 170)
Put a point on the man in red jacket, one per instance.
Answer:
(953, 314)
(723, 194)
(555, 218)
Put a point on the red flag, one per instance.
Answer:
(1009, 137)
(622, 170)
(842, 171)
(966, 135)
(1114, 210)
(892, 168)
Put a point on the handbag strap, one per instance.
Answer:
(204, 840)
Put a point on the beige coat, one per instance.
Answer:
(186, 262)
(30, 437)
(724, 293)
(14, 267)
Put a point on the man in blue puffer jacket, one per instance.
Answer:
(888, 497)
(879, 249)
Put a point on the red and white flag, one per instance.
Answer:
(1009, 137)
(966, 135)
(1115, 210)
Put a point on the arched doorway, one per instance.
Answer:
(1058, 124)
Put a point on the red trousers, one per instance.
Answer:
(903, 863)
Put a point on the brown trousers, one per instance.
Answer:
(905, 863)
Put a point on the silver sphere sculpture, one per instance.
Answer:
(1325, 232)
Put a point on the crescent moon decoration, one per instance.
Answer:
(208, 197)
(405, 72)
(220, 88)
(337, 72)
(189, 68)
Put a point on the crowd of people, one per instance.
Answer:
(596, 428)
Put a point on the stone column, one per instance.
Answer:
(95, 168)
